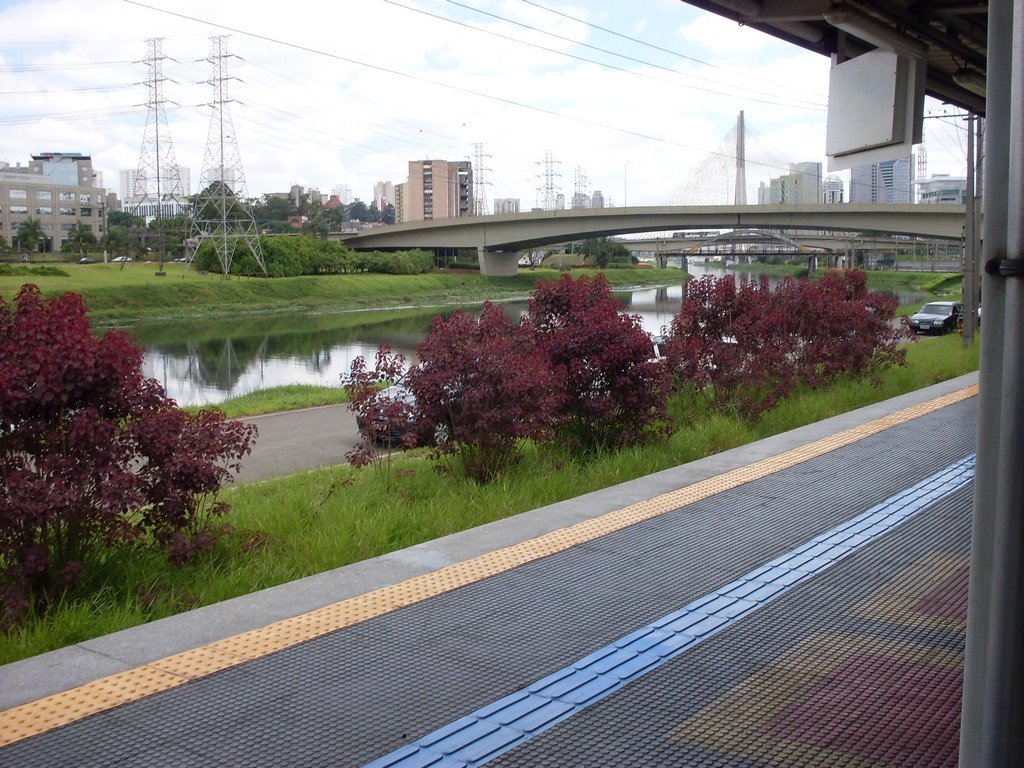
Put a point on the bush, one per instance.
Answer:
(614, 391)
(748, 346)
(383, 417)
(7, 270)
(481, 387)
(94, 455)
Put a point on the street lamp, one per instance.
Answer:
(625, 186)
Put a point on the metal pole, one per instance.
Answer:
(992, 720)
(970, 261)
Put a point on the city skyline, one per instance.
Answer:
(349, 101)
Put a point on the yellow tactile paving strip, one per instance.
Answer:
(68, 706)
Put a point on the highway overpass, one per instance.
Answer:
(499, 239)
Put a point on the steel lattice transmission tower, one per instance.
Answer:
(479, 191)
(220, 213)
(157, 187)
(549, 176)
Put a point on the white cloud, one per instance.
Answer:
(362, 88)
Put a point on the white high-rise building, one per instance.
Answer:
(127, 178)
(801, 186)
(344, 193)
(383, 194)
(506, 205)
(832, 190)
(891, 181)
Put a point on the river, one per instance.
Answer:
(206, 361)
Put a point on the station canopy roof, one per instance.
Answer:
(951, 35)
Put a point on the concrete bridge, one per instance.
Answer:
(835, 248)
(499, 239)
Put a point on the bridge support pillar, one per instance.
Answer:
(498, 263)
(684, 264)
(661, 260)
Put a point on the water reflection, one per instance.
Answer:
(201, 362)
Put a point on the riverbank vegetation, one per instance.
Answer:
(291, 527)
(118, 295)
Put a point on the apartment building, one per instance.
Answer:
(438, 189)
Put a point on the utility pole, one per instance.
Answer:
(220, 214)
(157, 177)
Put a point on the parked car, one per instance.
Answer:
(394, 436)
(87, 260)
(937, 317)
(118, 259)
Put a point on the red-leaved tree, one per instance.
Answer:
(614, 390)
(481, 387)
(384, 415)
(93, 454)
(749, 345)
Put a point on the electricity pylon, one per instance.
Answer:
(220, 213)
(157, 180)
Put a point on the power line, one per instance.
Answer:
(420, 79)
(796, 103)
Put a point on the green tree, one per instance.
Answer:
(124, 219)
(357, 209)
(317, 226)
(273, 210)
(388, 217)
(3, 244)
(119, 241)
(30, 235)
(80, 239)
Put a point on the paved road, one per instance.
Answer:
(296, 441)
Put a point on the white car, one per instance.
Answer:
(117, 259)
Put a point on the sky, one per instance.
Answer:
(637, 100)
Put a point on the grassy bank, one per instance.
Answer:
(114, 295)
(289, 397)
(296, 526)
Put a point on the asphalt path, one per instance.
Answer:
(296, 441)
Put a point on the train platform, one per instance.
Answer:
(800, 601)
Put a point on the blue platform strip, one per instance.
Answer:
(508, 722)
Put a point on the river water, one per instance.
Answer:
(206, 361)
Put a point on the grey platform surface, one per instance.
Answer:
(356, 694)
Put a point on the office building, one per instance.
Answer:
(891, 181)
(439, 189)
(138, 193)
(801, 186)
(59, 189)
(942, 189)
(832, 190)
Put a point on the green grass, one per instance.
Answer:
(295, 526)
(289, 397)
(135, 292)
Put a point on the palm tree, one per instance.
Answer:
(80, 237)
(30, 234)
